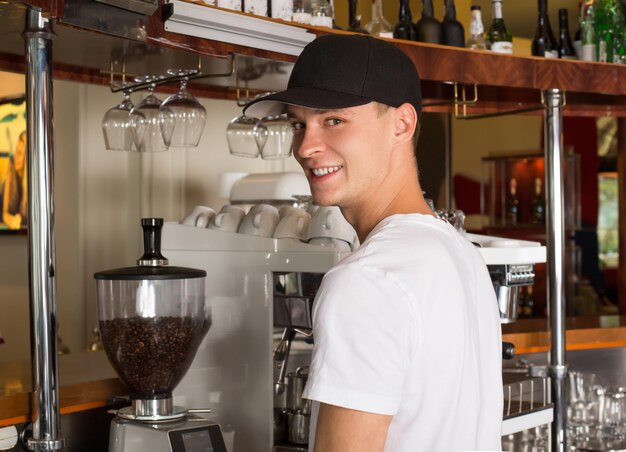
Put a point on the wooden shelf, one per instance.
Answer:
(505, 82)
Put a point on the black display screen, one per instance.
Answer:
(198, 439)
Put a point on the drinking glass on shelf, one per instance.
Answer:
(183, 117)
(274, 135)
(146, 121)
(241, 138)
(116, 126)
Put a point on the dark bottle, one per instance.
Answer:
(453, 32)
(512, 204)
(354, 19)
(538, 204)
(566, 48)
(405, 29)
(428, 29)
(544, 44)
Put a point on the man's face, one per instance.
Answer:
(345, 153)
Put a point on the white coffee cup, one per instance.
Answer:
(328, 221)
(261, 220)
(199, 217)
(228, 219)
(294, 223)
(338, 244)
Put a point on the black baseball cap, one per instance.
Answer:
(341, 71)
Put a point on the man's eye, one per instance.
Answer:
(298, 127)
(334, 121)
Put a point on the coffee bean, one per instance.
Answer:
(151, 355)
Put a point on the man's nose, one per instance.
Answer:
(308, 143)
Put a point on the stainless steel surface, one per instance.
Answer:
(553, 148)
(507, 279)
(296, 382)
(290, 448)
(42, 272)
(281, 359)
(152, 412)
(298, 428)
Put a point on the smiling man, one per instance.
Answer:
(407, 353)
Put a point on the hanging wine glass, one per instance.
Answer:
(116, 126)
(241, 137)
(146, 120)
(183, 117)
(274, 135)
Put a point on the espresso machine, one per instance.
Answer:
(251, 369)
(152, 318)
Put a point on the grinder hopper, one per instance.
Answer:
(152, 319)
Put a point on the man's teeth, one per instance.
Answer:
(323, 171)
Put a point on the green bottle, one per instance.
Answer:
(609, 29)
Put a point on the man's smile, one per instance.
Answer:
(319, 172)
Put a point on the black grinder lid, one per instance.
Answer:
(152, 265)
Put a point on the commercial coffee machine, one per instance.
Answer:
(152, 318)
(260, 289)
(250, 370)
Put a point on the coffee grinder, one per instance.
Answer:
(152, 319)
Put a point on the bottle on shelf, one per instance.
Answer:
(566, 47)
(588, 31)
(453, 31)
(379, 26)
(281, 9)
(354, 19)
(544, 44)
(578, 44)
(256, 7)
(428, 29)
(528, 309)
(301, 11)
(322, 14)
(512, 204)
(609, 29)
(538, 204)
(477, 38)
(404, 29)
(499, 37)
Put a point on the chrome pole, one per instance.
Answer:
(553, 147)
(41, 253)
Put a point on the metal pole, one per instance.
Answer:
(41, 253)
(553, 148)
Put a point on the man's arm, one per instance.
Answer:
(345, 430)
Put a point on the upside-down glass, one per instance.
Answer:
(146, 119)
(116, 126)
(274, 135)
(183, 117)
(241, 138)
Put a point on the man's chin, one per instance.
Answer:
(319, 200)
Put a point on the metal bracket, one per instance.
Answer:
(461, 102)
(123, 85)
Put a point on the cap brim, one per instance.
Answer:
(322, 99)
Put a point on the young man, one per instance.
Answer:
(407, 353)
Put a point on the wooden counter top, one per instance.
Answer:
(531, 336)
(86, 380)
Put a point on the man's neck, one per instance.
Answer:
(405, 199)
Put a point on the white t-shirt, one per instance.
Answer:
(408, 326)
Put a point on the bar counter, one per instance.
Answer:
(88, 381)
(531, 335)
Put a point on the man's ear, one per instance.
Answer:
(405, 123)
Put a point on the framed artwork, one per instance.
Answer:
(13, 166)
